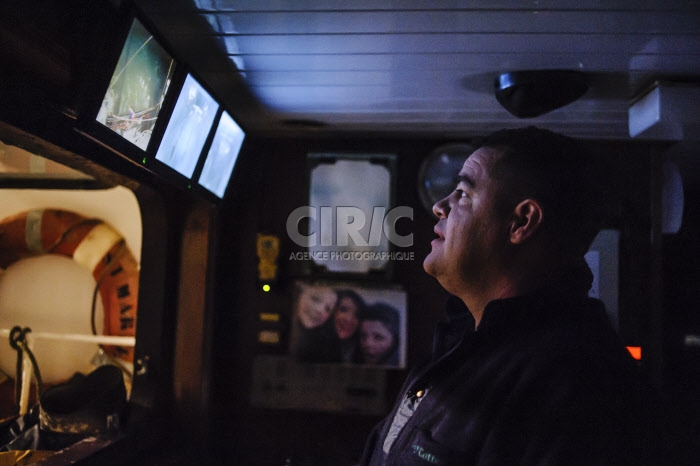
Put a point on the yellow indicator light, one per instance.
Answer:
(266, 288)
(269, 317)
(269, 336)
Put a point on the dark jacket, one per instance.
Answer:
(543, 380)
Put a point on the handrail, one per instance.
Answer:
(98, 339)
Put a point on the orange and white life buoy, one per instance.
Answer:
(92, 243)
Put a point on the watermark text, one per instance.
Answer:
(348, 222)
(352, 256)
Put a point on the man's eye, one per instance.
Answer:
(460, 193)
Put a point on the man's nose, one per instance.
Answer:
(441, 208)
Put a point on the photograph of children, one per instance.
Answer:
(347, 324)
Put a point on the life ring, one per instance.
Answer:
(90, 242)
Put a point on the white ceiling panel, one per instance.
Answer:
(426, 66)
(438, 5)
(469, 62)
(441, 22)
(407, 44)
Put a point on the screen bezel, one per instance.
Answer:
(163, 169)
(97, 83)
(198, 186)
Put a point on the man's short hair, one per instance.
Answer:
(558, 172)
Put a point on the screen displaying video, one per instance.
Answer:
(188, 128)
(222, 155)
(137, 88)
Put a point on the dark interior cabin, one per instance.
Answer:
(307, 99)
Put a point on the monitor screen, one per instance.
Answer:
(188, 128)
(222, 155)
(139, 83)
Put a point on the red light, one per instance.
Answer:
(636, 352)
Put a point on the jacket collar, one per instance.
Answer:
(569, 289)
(449, 333)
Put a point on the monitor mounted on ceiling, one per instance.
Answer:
(126, 99)
(188, 128)
(222, 155)
(137, 89)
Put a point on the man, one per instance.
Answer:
(528, 370)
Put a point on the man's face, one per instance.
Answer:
(469, 229)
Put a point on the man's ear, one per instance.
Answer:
(526, 220)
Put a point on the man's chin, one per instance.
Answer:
(429, 264)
